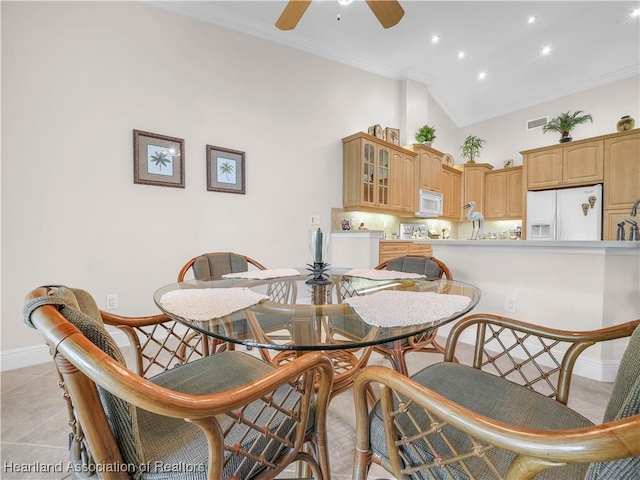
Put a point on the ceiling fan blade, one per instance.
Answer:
(389, 12)
(292, 14)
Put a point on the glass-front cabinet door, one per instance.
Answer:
(369, 171)
(383, 176)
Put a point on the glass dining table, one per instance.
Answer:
(287, 314)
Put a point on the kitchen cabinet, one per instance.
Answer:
(473, 183)
(571, 164)
(621, 181)
(451, 184)
(374, 175)
(503, 194)
(393, 249)
(622, 171)
(428, 166)
(610, 221)
(402, 190)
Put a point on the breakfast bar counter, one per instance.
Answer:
(566, 285)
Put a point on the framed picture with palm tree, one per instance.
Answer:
(158, 159)
(225, 170)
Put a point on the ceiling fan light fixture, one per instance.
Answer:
(636, 13)
(344, 2)
(531, 19)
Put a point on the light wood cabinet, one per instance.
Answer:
(572, 164)
(622, 171)
(428, 166)
(621, 181)
(473, 183)
(374, 174)
(403, 193)
(610, 221)
(503, 194)
(389, 250)
(451, 185)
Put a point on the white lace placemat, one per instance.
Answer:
(208, 303)
(394, 308)
(373, 274)
(264, 274)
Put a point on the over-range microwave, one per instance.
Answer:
(429, 204)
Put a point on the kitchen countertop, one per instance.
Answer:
(532, 243)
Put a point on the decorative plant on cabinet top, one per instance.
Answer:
(565, 122)
(471, 148)
(426, 135)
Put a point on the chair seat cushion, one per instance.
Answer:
(174, 448)
(490, 396)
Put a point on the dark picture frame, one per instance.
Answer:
(158, 159)
(225, 170)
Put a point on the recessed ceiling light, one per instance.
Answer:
(482, 75)
(546, 50)
(344, 2)
(531, 19)
(636, 13)
(461, 54)
(435, 38)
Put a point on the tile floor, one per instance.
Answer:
(34, 418)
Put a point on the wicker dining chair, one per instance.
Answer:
(213, 265)
(225, 416)
(397, 350)
(504, 417)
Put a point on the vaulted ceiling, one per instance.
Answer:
(590, 43)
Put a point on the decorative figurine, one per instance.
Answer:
(475, 216)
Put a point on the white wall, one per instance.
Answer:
(507, 136)
(446, 131)
(79, 77)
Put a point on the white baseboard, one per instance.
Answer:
(28, 356)
(38, 354)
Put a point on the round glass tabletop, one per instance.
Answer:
(286, 313)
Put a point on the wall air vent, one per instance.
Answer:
(537, 122)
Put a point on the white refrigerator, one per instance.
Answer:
(566, 214)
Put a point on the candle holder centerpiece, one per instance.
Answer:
(318, 243)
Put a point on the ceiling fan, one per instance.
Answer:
(388, 12)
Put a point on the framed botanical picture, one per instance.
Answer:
(392, 135)
(225, 170)
(158, 159)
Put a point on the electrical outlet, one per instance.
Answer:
(314, 219)
(112, 301)
(510, 305)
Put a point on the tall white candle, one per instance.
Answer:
(318, 252)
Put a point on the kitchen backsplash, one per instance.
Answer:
(390, 224)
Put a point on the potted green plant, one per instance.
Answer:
(565, 122)
(426, 135)
(471, 148)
